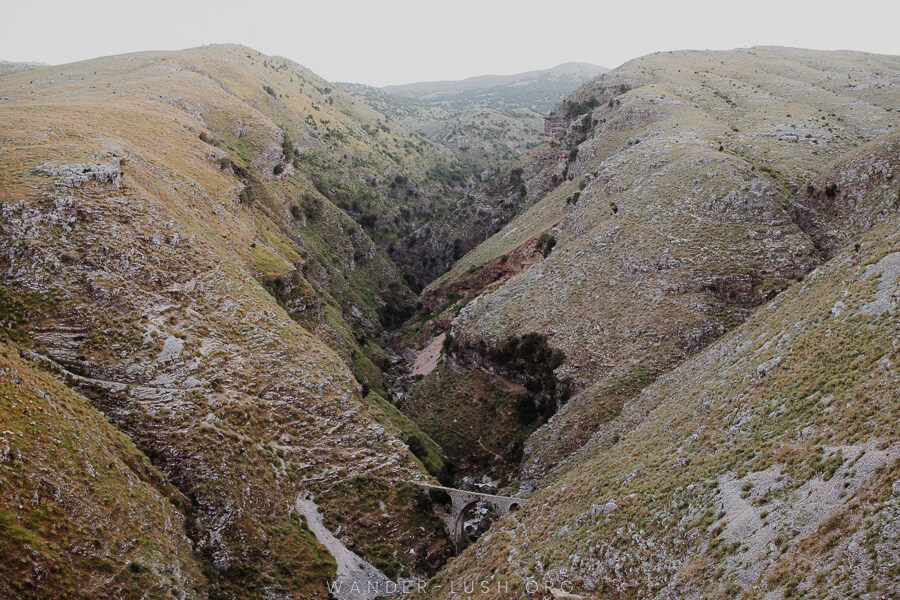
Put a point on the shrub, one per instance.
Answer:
(576, 109)
(439, 497)
(526, 411)
(136, 567)
(416, 445)
(12, 315)
(279, 169)
(287, 148)
(311, 206)
(368, 221)
(395, 312)
(545, 244)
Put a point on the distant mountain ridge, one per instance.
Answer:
(540, 90)
(484, 121)
(7, 65)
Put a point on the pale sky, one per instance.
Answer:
(402, 41)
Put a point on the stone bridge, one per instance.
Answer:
(462, 502)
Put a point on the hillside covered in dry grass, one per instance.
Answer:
(689, 195)
(687, 190)
(179, 247)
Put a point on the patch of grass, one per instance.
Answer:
(424, 448)
(268, 262)
(474, 422)
(292, 561)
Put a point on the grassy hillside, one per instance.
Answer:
(82, 511)
(684, 190)
(675, 332)
(171, 229)
(764, 466)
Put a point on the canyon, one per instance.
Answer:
(261, 333)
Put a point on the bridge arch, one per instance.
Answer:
(459, 526)
(462, 501)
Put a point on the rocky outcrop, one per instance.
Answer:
(70, 176)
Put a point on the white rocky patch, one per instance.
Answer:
(73, 175)
(886, 296)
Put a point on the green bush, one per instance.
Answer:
(545, 244)
(526, 411)
(12, 315)
(416, 445)
(287, 148)
(439, 497)
(396, 310)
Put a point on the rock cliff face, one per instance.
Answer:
(158, 233)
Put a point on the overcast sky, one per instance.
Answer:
(402, 41)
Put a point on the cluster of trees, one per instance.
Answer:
(532, 359)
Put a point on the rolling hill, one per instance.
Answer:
(690, 324)
(179, 249)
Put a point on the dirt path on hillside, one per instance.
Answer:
(427, 359)
(356, 579)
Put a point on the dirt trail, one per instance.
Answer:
(356, 579)
(427, 359)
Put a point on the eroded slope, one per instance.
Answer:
(82, 511)
(684, 190)
(766, 465)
